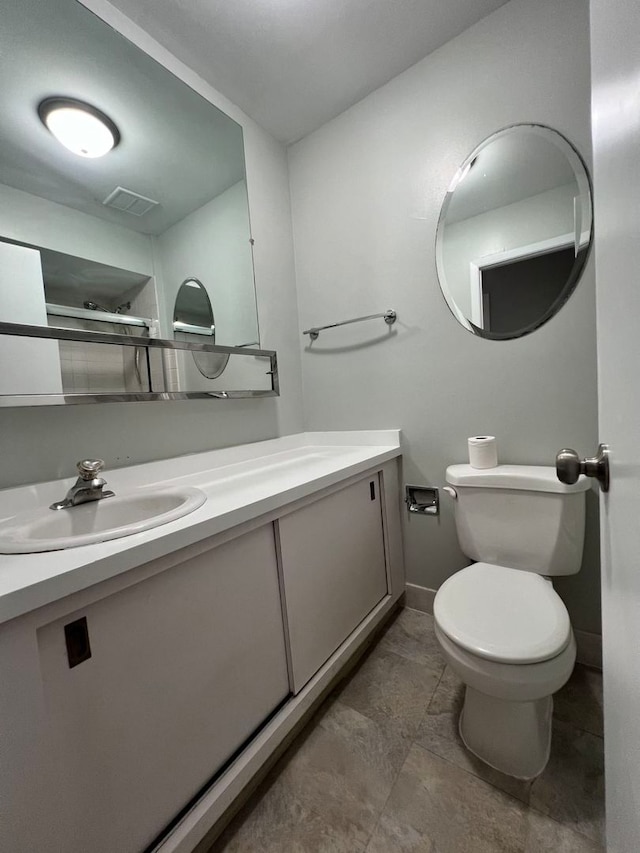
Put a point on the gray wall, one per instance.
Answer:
(43, 444)
(366, 193)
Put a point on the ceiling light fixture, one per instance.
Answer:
(81, 128)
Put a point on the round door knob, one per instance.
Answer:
(568, 466)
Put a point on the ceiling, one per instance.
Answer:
(176, 147)
(292, 65)
(71, 281)
(513, 166)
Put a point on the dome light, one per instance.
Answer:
(81, 128)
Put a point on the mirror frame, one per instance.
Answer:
(51, 332)
(576, 272)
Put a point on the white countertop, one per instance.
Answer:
(241, 483)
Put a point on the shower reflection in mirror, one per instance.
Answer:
(40, 286)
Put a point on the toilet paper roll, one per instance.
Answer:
(483, 451)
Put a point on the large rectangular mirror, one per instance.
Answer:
(102, 240)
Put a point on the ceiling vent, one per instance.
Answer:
(130, 202)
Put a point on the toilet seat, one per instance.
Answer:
(508, 681)
(503, 615)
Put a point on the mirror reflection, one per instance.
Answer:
(166, 370)
(514, 232)
(117, 182)
(192, 311)
(193, 316)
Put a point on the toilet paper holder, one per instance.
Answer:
(423, 500)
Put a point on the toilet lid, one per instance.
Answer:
(503, 614)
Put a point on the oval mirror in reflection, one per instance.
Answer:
(514, 231)
(192, 311)
(192, 319)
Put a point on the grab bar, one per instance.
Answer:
(389, 317)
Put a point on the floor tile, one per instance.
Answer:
(379, 744)
(439, 734)
(571, 788)
(275, 821)
(391, 836)
(544, 835)
(344, 769)
(411, 635)
(391, 688)
(382, 768)
(580, 701)
(454, 810)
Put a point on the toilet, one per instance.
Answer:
(502, 627)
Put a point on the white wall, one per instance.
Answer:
(31, 219)
(212, 245)
(126, 433)
(366, 193)
(26, 366)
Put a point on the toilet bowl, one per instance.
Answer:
(501, 626)
(513, 647)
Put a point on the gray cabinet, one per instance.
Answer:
(190, 656)
(334, 571)
(184, 667)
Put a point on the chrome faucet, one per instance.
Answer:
(88, 487)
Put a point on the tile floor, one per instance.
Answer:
(381, 769)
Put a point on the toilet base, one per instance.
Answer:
(512, 737)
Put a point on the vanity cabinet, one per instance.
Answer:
(184, 667)
(200, 662)
(334, 572)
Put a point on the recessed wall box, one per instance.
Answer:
(422, 499)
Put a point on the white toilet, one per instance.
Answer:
(503, 628)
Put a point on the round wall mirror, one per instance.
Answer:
(193, 316)
(514, 231)
(192, 311)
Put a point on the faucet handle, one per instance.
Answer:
(89, 469)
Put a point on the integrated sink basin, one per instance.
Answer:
(132, 512)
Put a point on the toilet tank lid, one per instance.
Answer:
(530, 478)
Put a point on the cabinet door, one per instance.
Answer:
(334, 572)
(184, 667)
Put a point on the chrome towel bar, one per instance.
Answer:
(389, 317)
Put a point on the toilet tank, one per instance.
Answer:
(520, 516)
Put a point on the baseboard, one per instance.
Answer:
(589, 645)
(419, 597)
(589, 648)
